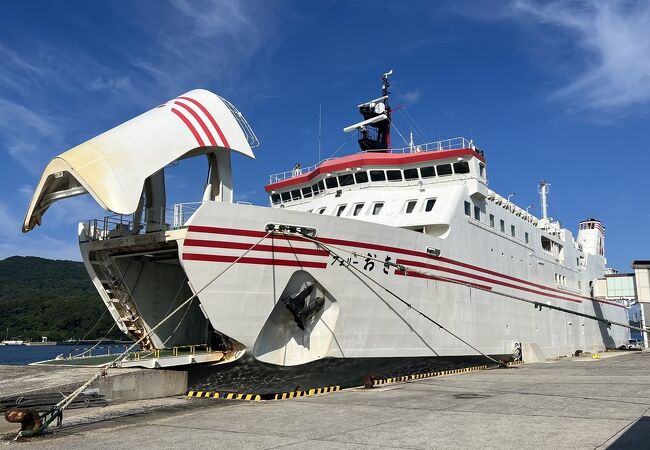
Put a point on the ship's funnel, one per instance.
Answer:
(113, 166)
(591, 235)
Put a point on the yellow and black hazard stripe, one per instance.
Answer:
(310, 392)
(224, 395)
(419, 376)
(515, 363)
(260, 397)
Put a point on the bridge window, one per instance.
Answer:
(444, 169)
(346, 180)
(331, 183)
(394, 175)
(461, 167)
(481, 170)
(376, 208)
(340, 210)
(275, 199)
(361, 177)
(513, 230)
(468, 209)
(429, 205)
(492, 220)
(357, 209)
(377, 175)
(502, 225)
(306, 192)
(427, 172)
(410, 206)
(527, 237)
(410, 174)
(286, 196)
(552, 247)
(315, 190)
(477, 213)
(295, 194)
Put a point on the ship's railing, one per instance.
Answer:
(456, 143)
(298, 170)
(245, 127)
(151, 220)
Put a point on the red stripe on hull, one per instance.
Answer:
(258, 247)
(228, 231)
(249, 260)
(386, 248)
(204, 127)
(212, 121)
(239, 232)
(189, 125)
(448, 280)
(481, 278)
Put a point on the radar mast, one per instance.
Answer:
(374, 130)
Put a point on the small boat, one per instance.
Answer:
(8, 341)
(12, 342)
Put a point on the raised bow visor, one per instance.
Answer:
(113, 166)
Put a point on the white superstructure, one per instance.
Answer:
(419, 222)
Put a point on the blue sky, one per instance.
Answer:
(553, 90)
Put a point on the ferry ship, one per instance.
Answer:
(388, 252)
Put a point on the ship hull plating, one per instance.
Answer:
(352, 315)
(358, 317)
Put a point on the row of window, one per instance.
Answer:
(561, 279)
(502, 223)
(376, 207)
(363, 176)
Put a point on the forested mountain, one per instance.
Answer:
(53, 298)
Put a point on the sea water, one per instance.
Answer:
(25, 354)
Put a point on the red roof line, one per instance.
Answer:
(372, 159)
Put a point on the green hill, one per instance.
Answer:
(53, 298)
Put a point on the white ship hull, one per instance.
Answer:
(471, 258)
(360, 319)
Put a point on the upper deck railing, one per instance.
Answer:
(152, 219)
(456, 143)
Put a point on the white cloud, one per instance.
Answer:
(205, 43)
(117, 83)
(25, 133)
(612, 71)
(55, 95)
(410, 97)
(26, 190)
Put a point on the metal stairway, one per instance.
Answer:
(120, 297)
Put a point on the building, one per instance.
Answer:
(634, 288)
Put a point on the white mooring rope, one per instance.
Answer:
(59, 407)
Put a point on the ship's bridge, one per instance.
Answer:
(430, 163)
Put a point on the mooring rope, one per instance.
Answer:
(536, 304)
(409, 305)
(57, 410)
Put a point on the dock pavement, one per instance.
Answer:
(572, 403)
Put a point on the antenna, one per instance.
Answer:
(374, 130)
(320, 126)
(543, 191)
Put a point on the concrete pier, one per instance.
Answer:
(571, 403)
